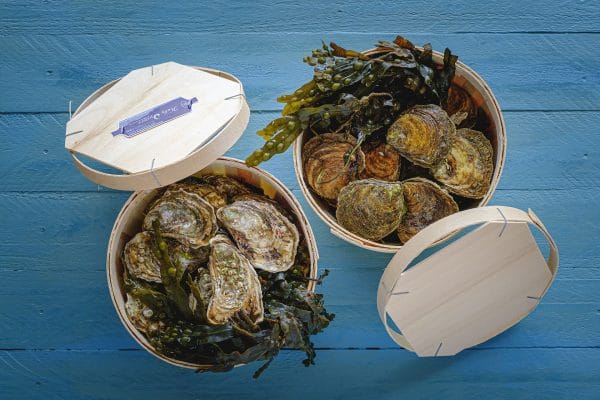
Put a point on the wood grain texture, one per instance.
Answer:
(358, 374)
(526, 72)
(285, 17)
(60, 337)
(546, 150)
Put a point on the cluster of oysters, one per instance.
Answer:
(203, 243)
(438, 150)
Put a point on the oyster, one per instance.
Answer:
(228, 187)
(263, 198)
(191, 259)
(382, 161)
(425, 203)
(139, 314)
(183, 216)
(139, 259)
(371, 208)
(467, 168)
(201, 292)
(208, 192)
(459, 102)
(264, 235)
(329, 165)
(235, 284)
(422, 134)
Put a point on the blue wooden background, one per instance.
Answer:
(59, 335)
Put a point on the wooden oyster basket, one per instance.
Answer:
(122, 125)
(472, 289)
(479, 91)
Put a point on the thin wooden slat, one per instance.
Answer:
(285, 17)
(555, 150)
(390, 374)
(531, 72)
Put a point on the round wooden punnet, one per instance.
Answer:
(191, 144)
(473, 84)
(129, 222)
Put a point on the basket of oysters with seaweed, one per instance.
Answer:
(217, 270)
(389, 140)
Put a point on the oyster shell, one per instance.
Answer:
(208, 192)
(467, 168)
(183, 216)
(422, 134)
(326, 166)
(139, 314)
(235, 283)
(264, 235)
(139, 259)
(459, 102)
(382, 162)
(426, 202)
(228, 187)
(258, 197)
(201, 292)
(191, 259)
(141, 262)
(371, 208)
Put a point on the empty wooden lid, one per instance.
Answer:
(472, 289)
(158, 125)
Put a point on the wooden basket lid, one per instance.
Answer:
(472, 289)
(157, 124)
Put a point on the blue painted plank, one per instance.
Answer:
(285, 17)
(52, 248)
(555, 150)
(34, 301)
(52, 263)
(55, 226)
(530, 72)
(547, 373)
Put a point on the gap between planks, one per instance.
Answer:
(136, 349)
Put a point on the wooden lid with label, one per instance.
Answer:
(158, 125)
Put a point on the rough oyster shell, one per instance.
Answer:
(426, 202)
(422, 134)
(459, 102)
(183, 216)
(371, 208)
(139, 314)
(467, 168)
(141, 262)
(139, 259)
(235, 284)
(258, 197)
(382, 162)
(208, 192)
(201, 292)
(228, 187)
(191, 259)
(326, 167)
(264, 235)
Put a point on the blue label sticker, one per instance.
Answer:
(155, 116)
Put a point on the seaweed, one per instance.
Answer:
(404, 74)
(292, 314)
